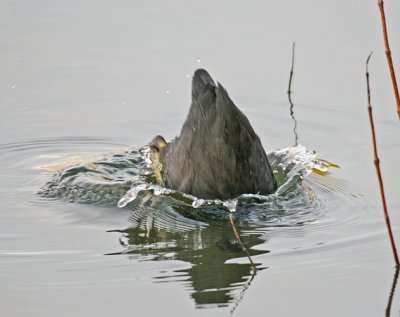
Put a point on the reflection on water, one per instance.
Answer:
(392, 292)
(118, 71)
(168, 225)
(165, 226)
(209, 246)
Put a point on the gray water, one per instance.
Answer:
(85, 84)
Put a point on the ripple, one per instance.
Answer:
(308, 195)
(121, 177)
(311, 212)
(58, 143)
(28, 165)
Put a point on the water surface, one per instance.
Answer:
(84, 85)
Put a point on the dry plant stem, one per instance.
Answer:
(291, 72)
(232, 221)
(389, 55)
(378, 170)
(289, 92)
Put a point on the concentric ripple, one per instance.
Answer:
(77, 170)
(311, 211)
(306, 193)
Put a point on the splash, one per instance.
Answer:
(119, 178)
(289, 165)
(138, 187)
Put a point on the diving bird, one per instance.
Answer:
(217, 154)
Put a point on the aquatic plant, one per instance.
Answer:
(378, 170)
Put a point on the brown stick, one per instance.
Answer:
(389, 56)
(232, 221)
(378, 169)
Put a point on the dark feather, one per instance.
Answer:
(218, 154)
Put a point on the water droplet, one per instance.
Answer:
(197, 203)
(131, 195)
(231, 204)
(157, 190)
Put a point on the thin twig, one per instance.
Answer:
(232, 221)
(378, 169)
(389, 56)
(291, 71)
(289, 92)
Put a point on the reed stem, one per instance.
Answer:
(232, 221)
(378, 169)
(389, 56)
(289, 92)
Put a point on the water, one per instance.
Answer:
(84, 85)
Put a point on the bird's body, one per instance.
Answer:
(217, 154)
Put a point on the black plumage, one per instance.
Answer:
(217, 154)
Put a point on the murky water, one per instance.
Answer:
(86, 85)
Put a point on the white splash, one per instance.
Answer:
(132, 193)
(297, 161)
